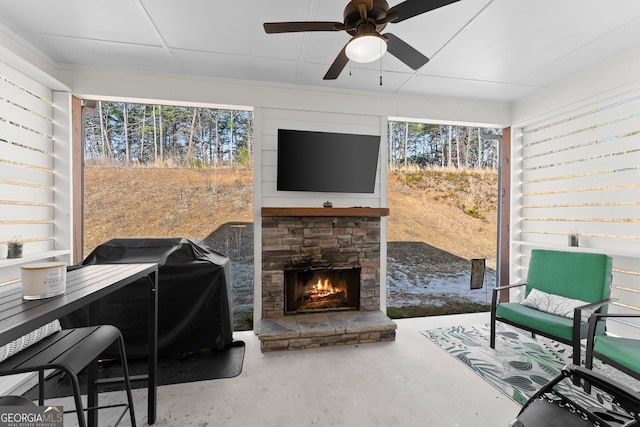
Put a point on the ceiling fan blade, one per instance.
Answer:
(404, 52)
(295, 27)
(411, 8)
(338, 65)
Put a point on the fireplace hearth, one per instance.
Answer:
(312, 290)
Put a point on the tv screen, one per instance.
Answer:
(327, 162)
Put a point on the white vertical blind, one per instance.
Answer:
(27, 194)
(581, 175)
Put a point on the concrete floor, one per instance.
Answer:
(408, 382)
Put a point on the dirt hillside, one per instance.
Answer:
(426, 207)
(430, 208)
(163, 202)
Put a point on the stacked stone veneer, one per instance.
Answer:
(339, 242)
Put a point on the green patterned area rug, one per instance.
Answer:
(520, 364)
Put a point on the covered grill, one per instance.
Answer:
(194, 295)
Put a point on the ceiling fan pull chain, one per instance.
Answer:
(381, 71)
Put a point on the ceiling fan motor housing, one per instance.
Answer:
(353, 19)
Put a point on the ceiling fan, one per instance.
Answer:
(364, 20)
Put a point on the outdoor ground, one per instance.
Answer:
(439, 221)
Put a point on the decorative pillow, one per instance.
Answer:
(31, 338)
(555, 304)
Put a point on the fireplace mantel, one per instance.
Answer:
(337, 212)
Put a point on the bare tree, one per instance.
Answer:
(142, 131)
(161, 140)
(125, 121)
(155, 136)
(192, 129)
(106, 146)
(406, 144)
(458, 137)
(450, 137)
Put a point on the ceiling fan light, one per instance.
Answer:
(366, 48)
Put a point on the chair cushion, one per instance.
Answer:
(555, 304)
(551, 324)
(29, 339)
(624, 351)
(575, 275)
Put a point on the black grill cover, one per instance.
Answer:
(194, 296)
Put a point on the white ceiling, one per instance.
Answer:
(499, 50)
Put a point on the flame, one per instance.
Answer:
(323, 287)
(321, 293)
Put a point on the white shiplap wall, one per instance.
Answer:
(274, 119)
(580, 173)
(33, 205)
(267, 122)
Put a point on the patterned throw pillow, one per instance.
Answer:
(31, 338)
(555, 304)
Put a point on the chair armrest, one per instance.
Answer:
(614, 315)
(577, 312)
(595, 317)
(502, 288)
(591, 332)
(494, 295)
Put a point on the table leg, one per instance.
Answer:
(153, 347)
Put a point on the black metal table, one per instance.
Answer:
(85, 286)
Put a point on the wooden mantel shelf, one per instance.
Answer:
(354, 211)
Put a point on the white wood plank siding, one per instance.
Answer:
(581, 173)
(27, 191)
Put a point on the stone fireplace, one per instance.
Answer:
(321, 278)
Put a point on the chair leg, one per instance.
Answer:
(77, 397)
(492, 335)
(41, 380)
(576, 353)
(588, 363)
(92, 393)
(127, 380)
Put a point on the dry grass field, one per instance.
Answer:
(426, 207)
(163, 202)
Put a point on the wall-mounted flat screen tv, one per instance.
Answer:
(327, 162)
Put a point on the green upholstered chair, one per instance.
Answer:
(582, 279)
(620, 352)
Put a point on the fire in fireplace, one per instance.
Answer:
(321, 289)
